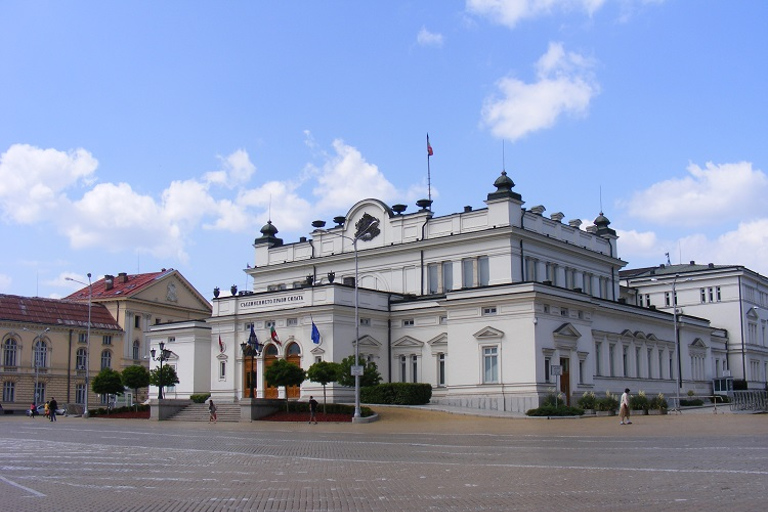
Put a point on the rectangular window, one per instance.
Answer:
(547, 363)
(490, 365)
(366, 322)
(270, 323)
(106, 340)
(703, 293)
(157, 321)
(637, 362)
(9, 391)
(40, 392)
(717, 293)
(711, 293)
(588, 284)
(408, 322)
(80, 394)
(403, 369)
(433, 285)
(612, 359)
(171, 339)
(569, 278)
(441, 369)
(222, 370)
(581, 371)
(247, 326)
(291, 322)
(647, 300)
(468, 273)
(443, 320)
(667, 301)
(489, 310)
(598, 358)
(137, 321)
(318, 359)
(415, 368)
(661, 364)
(564, 312)
(551, 273)
(625, 361)
(650, 363)
(82, 337)
(530, 269)
(447, 276)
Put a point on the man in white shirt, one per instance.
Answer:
(624, 408)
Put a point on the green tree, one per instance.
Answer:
(108, 382)
(370, 376)
(323, 372)
(167, 378)
(284, 373)
(135, 377)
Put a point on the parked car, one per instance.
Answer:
(41, 411)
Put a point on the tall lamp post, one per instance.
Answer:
(162, 356)
(677, 341)
(252, 348)
(357, 370)
(36, 360)
(87, 340)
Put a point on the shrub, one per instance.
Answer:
(200, 398)
(551, 410)
(658, 402)
(639, 402)
(587, 400)
(694, 402)
(102, 411)
(607, 403)
(397, 393)
(333, 409)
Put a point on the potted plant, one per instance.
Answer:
(587, 402)
(639, 402)
(607, 405)
(658, 405)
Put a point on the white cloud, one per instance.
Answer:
(32, 180)
(746, 245)
(565, 86)
(427, 38)
(347, 177)
(5, 283)
(236, 170)
(714, 194)
(510, 12)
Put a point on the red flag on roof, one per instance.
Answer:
(429, 147)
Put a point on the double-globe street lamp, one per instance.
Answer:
(357, 370)
(87, 364)
(252, 348)
(162, 356)
(676, 329)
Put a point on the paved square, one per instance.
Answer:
(411, 460)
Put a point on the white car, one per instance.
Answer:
(41, 411)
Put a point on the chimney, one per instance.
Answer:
(109, 282)
(122, 277)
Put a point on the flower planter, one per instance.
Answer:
(655, 412)
(589, 412)
(605, 413)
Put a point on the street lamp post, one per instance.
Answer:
(251, 348)
(677, 341)
(87, 340)
(162, 356)
(365, 234)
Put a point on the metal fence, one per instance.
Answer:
(749, 401)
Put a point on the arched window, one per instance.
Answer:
(80, 359)
(10, 349)
(271, 350)
(106, 359)
(136, 347)
(41, 353)
(293, 350)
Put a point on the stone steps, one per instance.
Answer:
(226, 412)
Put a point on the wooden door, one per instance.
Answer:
(249, 375)
(565, 379)
(293, 355)
(270, 356)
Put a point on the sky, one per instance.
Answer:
(142, 135)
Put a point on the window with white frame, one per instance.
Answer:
(547, 364)
(80, 393)
(447, 276)
(292, 322)
(625, 361)
(467, 273)
(136, 350)
(598, 358)
(408, 322)
(247, 326)
(649, 358)
(106, 359)
(82, 337)
(490, 365)
(440, 369)
(489, 310)
(638, 359)
(222, 370)
(171, 339)
(10, 352)
(81, 358)
(269, 324)
(365, 322)
(106, 339)
(612, 359)
(661, 364)
(41, 354)
(433, 282)
(403, 369)
(415, 368)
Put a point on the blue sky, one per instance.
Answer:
(141, 135)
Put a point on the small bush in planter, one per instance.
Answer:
(639, 402)
(200, 398)
(694, 402)
(607, 403)
(587, 400)
(659, 402)
(551, 410)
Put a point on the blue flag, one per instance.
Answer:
(315, 334)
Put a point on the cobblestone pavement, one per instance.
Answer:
(410, 460)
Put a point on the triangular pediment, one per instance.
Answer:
(627, 333)
(317, 351)
(368, 341)
(488, 333)
(652, 337)
(441, 339)
(698, 343)
(567, 330)
(640, 335)
(407, 341)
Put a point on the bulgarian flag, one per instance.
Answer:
(273, 335)
(221, 345)
(429, 147)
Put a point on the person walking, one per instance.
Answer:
(624, 408)
(52, 406)
(312, 410)
(212, 416)
(47, 409)
(33, 410)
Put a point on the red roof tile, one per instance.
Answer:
(122, 285)
(54, 312)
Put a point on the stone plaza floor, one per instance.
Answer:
(409, 460)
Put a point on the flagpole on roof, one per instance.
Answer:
(429, 174)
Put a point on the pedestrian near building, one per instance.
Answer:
(312, 410)
(52, 406)
(33, 410)
(212, 416)
(47, 409)
(624, 408)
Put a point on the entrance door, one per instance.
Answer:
(249, 375)
(270, 356)
(293, 356)
(565, 379)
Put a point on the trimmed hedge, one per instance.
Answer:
(200, 398)
(332, 408)
(103, 411)
(551, 410)
(397, 393)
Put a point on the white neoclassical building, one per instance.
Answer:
(488, 305)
